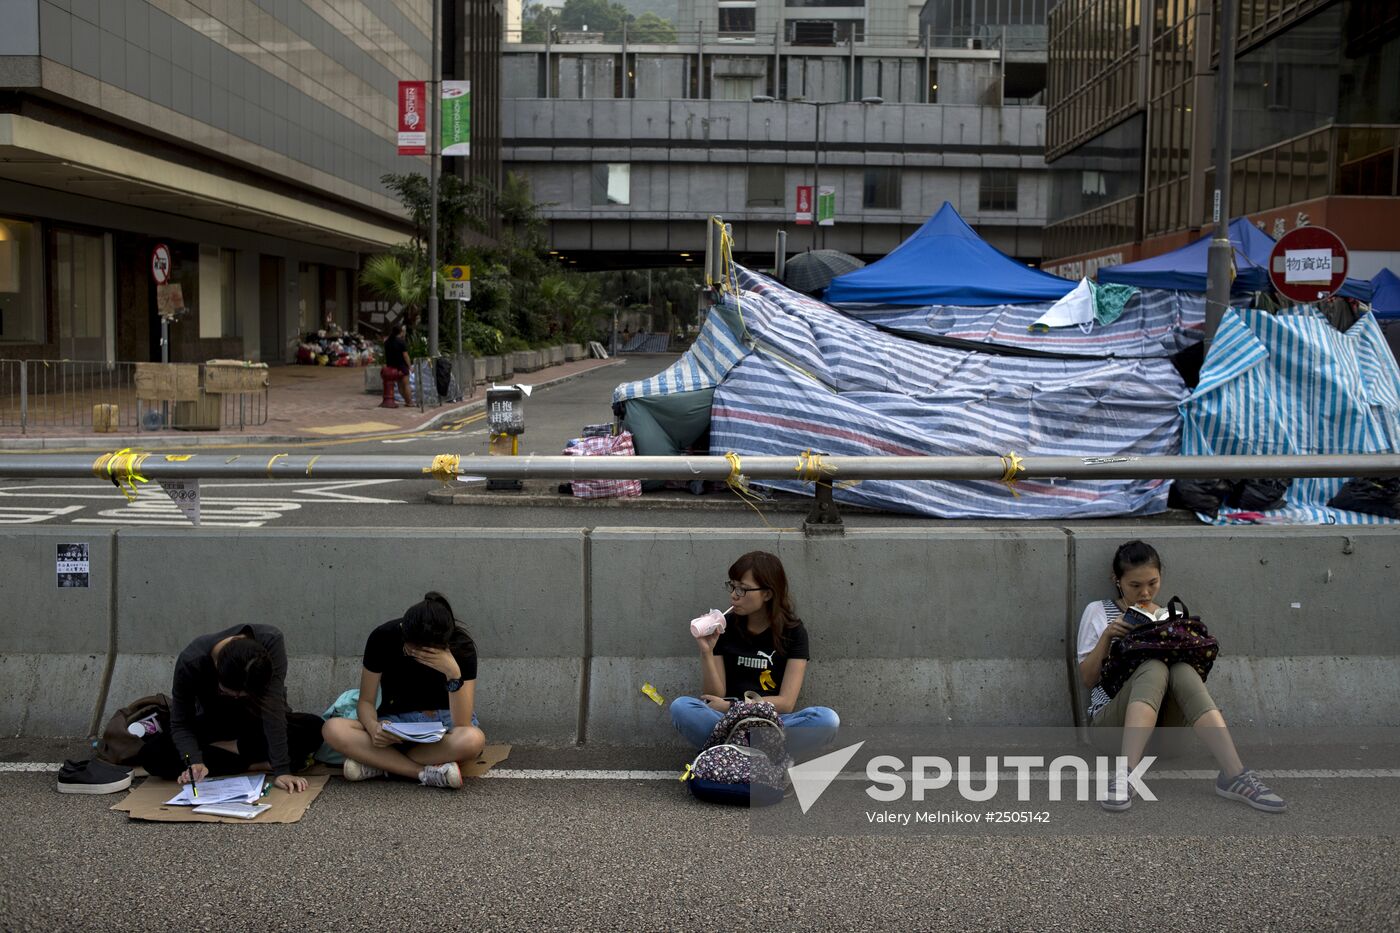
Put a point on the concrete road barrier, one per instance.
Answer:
(909, 626)
(520, 594)
(55, 641)
(1305, 616)
(899, 635)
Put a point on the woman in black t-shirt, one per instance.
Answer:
(763, 649)
(396, 358)
(425, 666)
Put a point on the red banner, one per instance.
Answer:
(413, 118)
(804, 204)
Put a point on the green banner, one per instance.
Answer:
(456, 118)
(826, 206)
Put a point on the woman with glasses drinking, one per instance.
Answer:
(763, 650)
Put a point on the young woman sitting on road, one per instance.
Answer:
(1155, 692)
(425, 664)
(763, 649)
(229, 713)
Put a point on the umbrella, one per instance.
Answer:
(813, 270)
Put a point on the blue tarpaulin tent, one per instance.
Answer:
(945, 263)
(1385, 294)
(1185, 269)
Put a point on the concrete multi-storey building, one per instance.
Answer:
(248, 137)
(1316, 125)
(631, 145)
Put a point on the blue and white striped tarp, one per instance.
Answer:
(714, 353)
(1291, 383)
(819, 379)
(1155, 322)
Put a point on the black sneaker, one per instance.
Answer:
(92, 777)
(1247, 787)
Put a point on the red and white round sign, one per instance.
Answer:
(1308, 264)
(160, 263)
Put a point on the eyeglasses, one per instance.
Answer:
(738, 589)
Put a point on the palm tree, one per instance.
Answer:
(388, 279)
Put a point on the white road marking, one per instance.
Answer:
(152, 507)
(33, 515)
(583, 774)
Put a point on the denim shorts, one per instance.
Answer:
(443, 716)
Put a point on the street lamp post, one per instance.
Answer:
(1221, 253)
(816, 143)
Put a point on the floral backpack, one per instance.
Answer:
(744, 762)
(1180, 637)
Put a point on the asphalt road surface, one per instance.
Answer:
(553, 415)
(540, 848)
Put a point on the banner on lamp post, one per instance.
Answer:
(804, 204)
(413, 118)
(826, 206)
(456, 118)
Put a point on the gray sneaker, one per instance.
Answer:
(1119, 796)
(1247, 787)
(448, 775)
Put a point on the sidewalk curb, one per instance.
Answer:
(23, 444)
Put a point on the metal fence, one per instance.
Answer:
(68, 393)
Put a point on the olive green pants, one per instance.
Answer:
(1177, 693)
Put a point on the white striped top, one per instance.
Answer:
(1097, 617)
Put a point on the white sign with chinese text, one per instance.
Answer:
(1307, 265)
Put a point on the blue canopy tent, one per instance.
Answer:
(945, 262)
(1185, 269)
(1385, 294)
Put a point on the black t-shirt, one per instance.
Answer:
(408, 686)
(747, 656)
(396, 353)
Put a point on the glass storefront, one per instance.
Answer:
(21, 304)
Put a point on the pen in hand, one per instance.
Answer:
(194, 788)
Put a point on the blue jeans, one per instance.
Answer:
(808, 730)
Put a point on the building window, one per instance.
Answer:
(21, 307)
(881, 189)
(766, 186)
(228, 293)
(736, 19)
(997, 190)
(612, 183)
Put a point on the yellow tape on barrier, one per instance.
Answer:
(1011, 467)
(123, 468)
(444, 468)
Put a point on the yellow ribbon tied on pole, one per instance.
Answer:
(122, 467)
(444, 468)
(1012, 467)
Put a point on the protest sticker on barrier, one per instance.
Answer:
(185, 494)
(73, 566)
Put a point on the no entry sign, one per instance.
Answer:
(1308, 264)
(160, 263)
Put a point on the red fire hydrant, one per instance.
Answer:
(389, 376)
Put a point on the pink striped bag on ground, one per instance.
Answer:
(616, 446)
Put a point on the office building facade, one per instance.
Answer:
(1316, 125)
(631, 146)
(247, 138)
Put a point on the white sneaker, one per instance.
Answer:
(353, 770)
(448, 775)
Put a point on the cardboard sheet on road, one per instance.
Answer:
(147, 800)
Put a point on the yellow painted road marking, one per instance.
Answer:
(362, 427)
